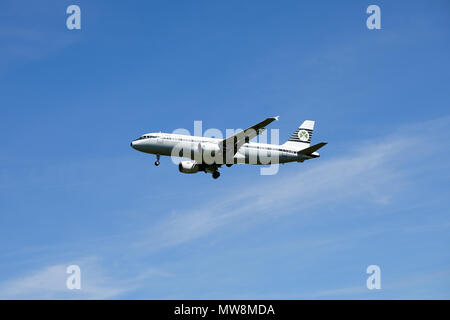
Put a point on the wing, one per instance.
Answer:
(231, 145)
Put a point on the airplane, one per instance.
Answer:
(209, 154)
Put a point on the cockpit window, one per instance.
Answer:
(146, 137)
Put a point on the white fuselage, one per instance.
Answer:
(252, 153)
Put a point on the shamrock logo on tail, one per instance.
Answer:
(303, 135)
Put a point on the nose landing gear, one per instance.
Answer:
(157, 160)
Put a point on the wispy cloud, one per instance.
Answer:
(31, 35)
(372, 172)
(49, 282)
(395, 287)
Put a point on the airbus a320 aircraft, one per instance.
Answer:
(209, 154)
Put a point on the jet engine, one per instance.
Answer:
(188, 167)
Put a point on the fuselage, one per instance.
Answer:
(186, 146)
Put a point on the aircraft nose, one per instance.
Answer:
(132, 144)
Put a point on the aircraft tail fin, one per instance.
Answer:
(301, 138)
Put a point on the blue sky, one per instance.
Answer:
(72, 191)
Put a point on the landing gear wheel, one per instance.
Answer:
(216, 174)
(156, 163)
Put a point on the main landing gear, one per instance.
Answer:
(216, 174)
(212, 168)
(157, 160)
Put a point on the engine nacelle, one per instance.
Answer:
(188, 167)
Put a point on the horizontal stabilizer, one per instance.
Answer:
(312, 149)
